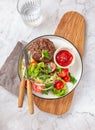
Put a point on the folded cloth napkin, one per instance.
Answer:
(9, 72)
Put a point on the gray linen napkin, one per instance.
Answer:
(9, 72)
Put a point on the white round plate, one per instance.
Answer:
(76, 69)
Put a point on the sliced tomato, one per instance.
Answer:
(53, 66)
(67, 78)
(26, 83)
(33, 62)
(59, 85)
(66, 70)
(63, 73)
(37, 87)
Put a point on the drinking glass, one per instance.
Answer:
(30, 11)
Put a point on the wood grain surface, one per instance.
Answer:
(71, 27)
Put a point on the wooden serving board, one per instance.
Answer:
(71, 27)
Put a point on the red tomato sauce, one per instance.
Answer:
(64, 58)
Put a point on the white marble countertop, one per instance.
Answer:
(82, 112)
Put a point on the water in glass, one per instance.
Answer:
(30, 11)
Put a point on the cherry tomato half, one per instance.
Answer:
(63, 73)
(26, 83)
(33, 62)
(37, 88)
(59, 85)
(67, 78)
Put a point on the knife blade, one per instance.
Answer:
(26, 62)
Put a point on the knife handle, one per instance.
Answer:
(21, 92)
(30, 97)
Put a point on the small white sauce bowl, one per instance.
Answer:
(67, 49)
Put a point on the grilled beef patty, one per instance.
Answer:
(40, 45)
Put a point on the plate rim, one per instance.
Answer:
(52, 35)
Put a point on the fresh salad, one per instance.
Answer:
(49, 78)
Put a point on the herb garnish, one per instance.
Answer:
(45, 54)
